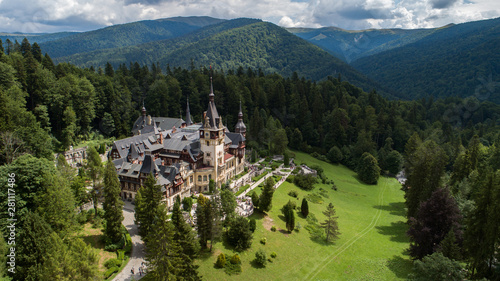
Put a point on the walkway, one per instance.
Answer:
(137, 256)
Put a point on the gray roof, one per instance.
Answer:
(235, 138)
(140, 141)
(149, 165)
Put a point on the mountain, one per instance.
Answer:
(229, 45)
(461, 60)
(349, 45)
(125, 35)
(34, 37)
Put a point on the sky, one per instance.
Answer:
(42, 16)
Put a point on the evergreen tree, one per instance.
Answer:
(147, 200)
(202, 221)
(435, 218)
(266, 198)
(185, 237)
(483, 226)
(228, 203)
(37, 52)
(162, 252)
(286, 159)
(304, 208)
(330, 225)
(255, 199)
(368, 170)
(334, 155)
(112, 205)
(424, 172)
(94, 170)
(289, 215)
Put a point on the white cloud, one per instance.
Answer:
(79, 15)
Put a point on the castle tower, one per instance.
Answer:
(240, 126)
(188, 114)
(212, 135)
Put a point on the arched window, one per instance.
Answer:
(205, 178)
(209, 177)
(199, 178)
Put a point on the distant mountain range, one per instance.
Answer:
(454, 60)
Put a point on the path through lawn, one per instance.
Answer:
(372, 243)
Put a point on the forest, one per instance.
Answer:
(450, 147)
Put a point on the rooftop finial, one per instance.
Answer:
(240, 114)
(211, 95)
(188, 114)
(143, 110)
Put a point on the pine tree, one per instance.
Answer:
(266, 198)
(304, 208)
(330, 225)
(483, 226)
(36, 51)
(94, 168)
(424, 173)
(202, 222)
(147, 201)
(289, 215)
(186, 238)
(162, 252)
(112, 205)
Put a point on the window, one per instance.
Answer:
(209, 177)
(205, 178)
(208, 143)
(199, 178)
(208, 154)
(191, 179)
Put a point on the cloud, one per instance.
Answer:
(82, 15)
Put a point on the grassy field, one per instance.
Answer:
(372, 244)
(92, 236)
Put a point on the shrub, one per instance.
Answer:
(112, 263)
(221, 261)
(305, 182)
(263, 241)
(128, 244)
(261, 257)
(110, 272)
(235, 259)
(274, 255)
(187, 203)
(273, 228)
(293, 193)
(253, 225)
(120, 254)
(82, 217)
(290, 178)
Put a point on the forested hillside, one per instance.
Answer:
(125, 35)
(459, 61)
(350, 45)
(227, 45)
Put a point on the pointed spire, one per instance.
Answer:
(188, 114)
(240, 114)
(211, 95)
(143, 110)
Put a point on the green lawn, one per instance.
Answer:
(372, 244)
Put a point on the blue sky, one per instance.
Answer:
(38, 16)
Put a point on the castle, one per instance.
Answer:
(182, 156)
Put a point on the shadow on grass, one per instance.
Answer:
(397, 231)
(257, 265)
(401, 267)
(93, 240)
(257, 215)
(395, 208)
(205, 254)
